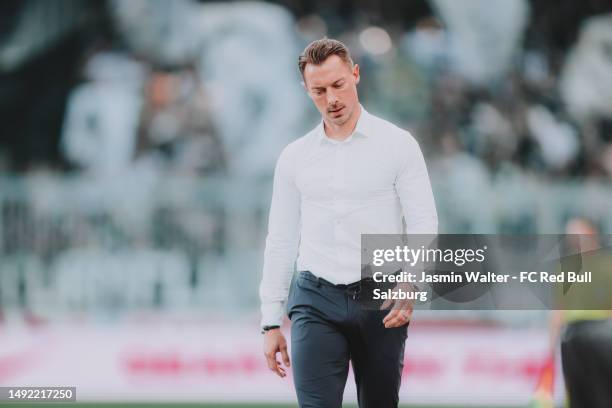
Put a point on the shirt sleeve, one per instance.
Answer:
(281, 242)
(414, 189)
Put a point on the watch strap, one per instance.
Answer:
(267, 328)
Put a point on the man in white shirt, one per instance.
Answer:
(353, 174)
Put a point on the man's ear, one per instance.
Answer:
(356, 73)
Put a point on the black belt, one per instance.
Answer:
(353, 289)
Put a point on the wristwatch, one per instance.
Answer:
(266, 328)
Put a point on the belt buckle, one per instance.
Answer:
(356, 292)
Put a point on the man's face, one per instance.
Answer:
(332, 86)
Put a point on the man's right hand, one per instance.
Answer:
(274, 342)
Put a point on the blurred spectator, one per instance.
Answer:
(493, 135)
(485, 35)
(586, 342)
(176, 125)
(586, 82)
(429, 44)
(163, 32)
(249, 67)
(99, 132)
(41, 46)
(558, 141)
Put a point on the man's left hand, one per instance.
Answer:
(401, 313)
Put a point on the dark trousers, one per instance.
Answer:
(329, 328)
(586, 354)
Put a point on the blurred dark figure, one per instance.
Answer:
(586, 341)
(176, 124)
(41, 45)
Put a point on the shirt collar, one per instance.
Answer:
(362, 128)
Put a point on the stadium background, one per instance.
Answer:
(138, 141)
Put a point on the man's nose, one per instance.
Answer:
(331, 98)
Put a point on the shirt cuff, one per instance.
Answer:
(272, 314)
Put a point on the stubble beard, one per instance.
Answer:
(339, 121)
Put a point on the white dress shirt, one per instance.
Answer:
(327, 193)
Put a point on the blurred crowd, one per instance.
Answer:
(197, 88)
(156, 124)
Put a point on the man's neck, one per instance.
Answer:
(343, 131)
